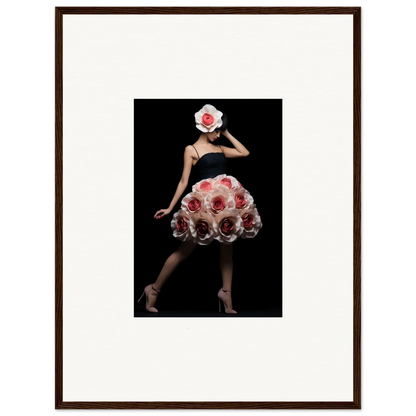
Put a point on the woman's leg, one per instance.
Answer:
(152, 290)
(183, 251)
(226, 265)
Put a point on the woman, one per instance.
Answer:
(218, 208)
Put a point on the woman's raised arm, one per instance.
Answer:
(239, 149)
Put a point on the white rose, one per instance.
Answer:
(228, 226)
(218, 200)
(201, 226)
(243, 199)
(203, 186)
(208, 118)
(193, 202)
(180, 225)
(226, 181)
(251, 222)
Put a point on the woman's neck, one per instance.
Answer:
(203, 139)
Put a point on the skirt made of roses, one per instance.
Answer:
(218, 208)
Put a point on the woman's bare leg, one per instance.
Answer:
(183, 251)
(226, 265)
(178, 256)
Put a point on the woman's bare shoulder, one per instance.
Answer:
(190, 151)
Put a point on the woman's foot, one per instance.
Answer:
(224, 296)
(151, 296)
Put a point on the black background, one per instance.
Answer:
(162, 130)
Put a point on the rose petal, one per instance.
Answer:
(202, 128)
(208, 108)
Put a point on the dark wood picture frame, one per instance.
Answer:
(59, 403)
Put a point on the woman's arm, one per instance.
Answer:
(239, 149)
(183, 183)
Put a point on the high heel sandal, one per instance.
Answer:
(146, 292)
(223, 300)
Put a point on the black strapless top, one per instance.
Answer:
(211, 165)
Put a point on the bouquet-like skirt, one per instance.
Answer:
(216, 209)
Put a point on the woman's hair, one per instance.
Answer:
(224, 124)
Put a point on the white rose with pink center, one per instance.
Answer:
(208, 118)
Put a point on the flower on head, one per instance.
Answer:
(228, 226)
(180, 225)
(208, 118)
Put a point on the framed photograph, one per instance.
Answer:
(208, 207)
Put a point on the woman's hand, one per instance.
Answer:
(161, 213)
(225, 133)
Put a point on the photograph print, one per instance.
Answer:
(208, 208)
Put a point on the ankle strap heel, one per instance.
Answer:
(223, 300)
(149, 304)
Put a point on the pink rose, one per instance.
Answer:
(219, 199)
(205, 186)
(218, 203)
(193, 202)
(194, 205)
(226, 182)
(201, 227)
(228, 226)
(248, 220)
(180, 225)
(251, 222)
(240, 201)
(243, 199)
